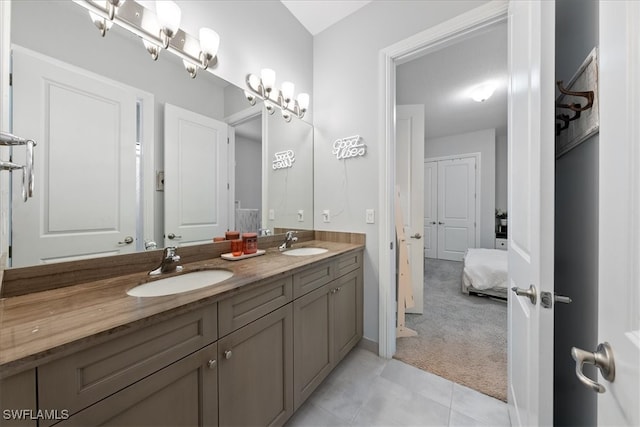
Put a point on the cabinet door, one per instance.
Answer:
(346, 295)
(313, 342)
(184, 393)
(256, 372)
(18, 399)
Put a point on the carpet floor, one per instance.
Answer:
(461, 337)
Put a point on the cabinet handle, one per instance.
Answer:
(211, 363)
(227, 354)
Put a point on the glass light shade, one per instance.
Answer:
(254, 82)
(268, 77)
(169, 15)
(482, 92)
(209, 41)
(287, 90)
(303, 101)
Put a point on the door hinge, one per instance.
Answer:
(10, 250)
(391, 245)
(10, 79)
(228, 187)
(227, 140)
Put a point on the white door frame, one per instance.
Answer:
(5, 61)
(478, 157)
(429, 40)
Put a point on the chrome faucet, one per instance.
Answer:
(289, 238)
(169, 262)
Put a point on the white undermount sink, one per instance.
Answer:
(182, 283)
(304, 251)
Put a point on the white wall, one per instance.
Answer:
(346, 98)
(483, 142)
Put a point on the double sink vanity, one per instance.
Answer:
(246, 345)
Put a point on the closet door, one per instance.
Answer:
(431, 209)
(456, 207)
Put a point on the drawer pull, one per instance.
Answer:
(211, 363)
(227, 354)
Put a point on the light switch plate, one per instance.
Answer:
(300, 215)
(371, 216)
(272, 214)
(326, 215)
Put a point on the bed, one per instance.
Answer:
(484, 272)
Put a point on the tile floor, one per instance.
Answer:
(365, 390)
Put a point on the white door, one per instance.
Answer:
(409, 178)
(196, 190)
(456, 207)
(84, 202)
(431, 209)
(619, 228)
(531, 118)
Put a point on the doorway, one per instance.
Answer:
(427, 42)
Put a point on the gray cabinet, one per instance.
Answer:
(18, 397)
(256, 372)
(182, 394)
(327, 325)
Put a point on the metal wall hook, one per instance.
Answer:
(602, 358)
(589, 95)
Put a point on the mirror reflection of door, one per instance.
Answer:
(86, 128)
(248, 175)
(196, 180)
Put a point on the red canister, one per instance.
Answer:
(249, 243)
(232, 235)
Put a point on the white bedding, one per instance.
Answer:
(486, 268)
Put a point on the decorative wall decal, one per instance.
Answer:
(351, 146)
(283, 159)
(577, 112)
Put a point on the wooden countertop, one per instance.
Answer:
(41, 326)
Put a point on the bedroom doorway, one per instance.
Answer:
(461, 337)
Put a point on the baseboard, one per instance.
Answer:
(369, 345)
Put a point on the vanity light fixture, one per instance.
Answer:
(263, 87)
(159, 29)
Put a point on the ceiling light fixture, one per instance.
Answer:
(157, 30)
(482, 92)
(263, 87)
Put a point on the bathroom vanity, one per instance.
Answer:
(246, 351)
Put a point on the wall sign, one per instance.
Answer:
(283, 159)
(351, 146)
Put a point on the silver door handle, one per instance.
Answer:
(417, 236)
(602, 358)
(127, 241)
(529, 293)
(440, 223)
(172, 236)
(433, 223)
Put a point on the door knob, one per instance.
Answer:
(227, 354)
(433, 223)
(529, 293)
(127, 241)
(440, 223)
(416, 236)
(602, 358)
(211, 363)
(172, 236)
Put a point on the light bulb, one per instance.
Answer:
(303, 101)
(169, 15)
(482, 92)
(254, 82)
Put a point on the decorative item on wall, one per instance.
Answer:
(577, 109)
(263, 87)
(351, 146)
(157, 30)
(283, 159)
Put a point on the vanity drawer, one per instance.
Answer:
(245, 307)
(83, 378)
(313, 278)
(349, 262)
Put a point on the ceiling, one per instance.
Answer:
(441, 81)
(317, 15)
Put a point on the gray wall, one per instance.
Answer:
(576, 225)
(483, 142)
(501, 171)
(346, 89)
(248, 173)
